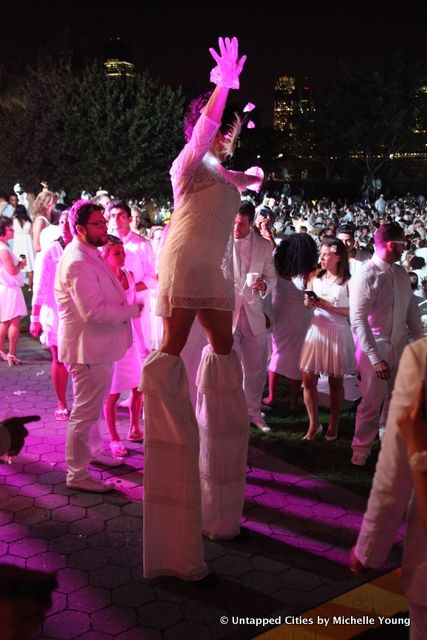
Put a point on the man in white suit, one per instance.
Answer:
(94, 331)
(391, 500)
(254, 277)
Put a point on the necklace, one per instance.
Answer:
(329, 281)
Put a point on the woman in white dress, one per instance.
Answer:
(328, 347)
(43, 206)
(22, 240)
(295, 259)
(12, 302)
(127, 371)
(196, 279)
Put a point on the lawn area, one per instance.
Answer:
(328, 460)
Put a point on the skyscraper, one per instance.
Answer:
(118, 58)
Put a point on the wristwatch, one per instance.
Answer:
(418, 461)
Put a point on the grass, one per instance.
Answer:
(327, 460)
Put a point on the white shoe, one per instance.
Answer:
(90, 484)
(358, 459)
(107, 459)
(260, 424)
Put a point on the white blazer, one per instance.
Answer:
(391, 500)
(261, 261)
(94, 317)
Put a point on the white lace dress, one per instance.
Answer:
(196, 263)
(329, 347)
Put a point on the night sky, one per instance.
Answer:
(171, 39)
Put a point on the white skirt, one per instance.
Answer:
(328, 348)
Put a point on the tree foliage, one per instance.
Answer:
(89, 130)
(369, 115)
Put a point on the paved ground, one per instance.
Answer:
(294, 557)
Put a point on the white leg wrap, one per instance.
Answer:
(172, 516)
(224, 434)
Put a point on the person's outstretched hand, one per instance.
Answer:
(17, 431)
(229, 67)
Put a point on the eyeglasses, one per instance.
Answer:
(98, 225)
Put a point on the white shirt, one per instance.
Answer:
(382, 306)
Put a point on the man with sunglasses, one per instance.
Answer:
(382, 309)
(94, 331)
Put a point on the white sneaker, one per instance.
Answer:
(90, 484)
(260, 424)
(359, 459)
(107, 459)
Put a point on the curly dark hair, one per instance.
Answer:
(296, 255)
(195, 108)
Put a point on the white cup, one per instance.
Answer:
(251, 278)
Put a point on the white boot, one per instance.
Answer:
(172, 517)
(224, 434)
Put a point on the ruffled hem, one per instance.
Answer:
(329, 352)
(165, 304)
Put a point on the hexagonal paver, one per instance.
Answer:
(88, 559)
(231, 565)
(69, 513)
(188, 630)
(34, 515)
(47, 562)
(107, 540)
(124, 523)
(155, 614)
(261, 581)
(49, 529)
(28, 547)
(21, 479)
(104, 512)
(86, 499)
(70, 580)
(36, 490)
(133, 594)
(129, 556)
(110, 576)
(12, 531)
(66, 625)
(113, 619)
(15, 504)
(67, 544)
(89, 599)
(86, 527)
(95, 635)
(52, 477)
(205, 615)
(51, 501)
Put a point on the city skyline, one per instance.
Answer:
(171, 39)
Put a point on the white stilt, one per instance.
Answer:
(224, 434)
(172, 516)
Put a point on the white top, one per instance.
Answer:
(382, 305)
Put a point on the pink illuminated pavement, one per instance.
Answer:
(299, 531)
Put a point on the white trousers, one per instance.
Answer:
(172, 524)
(224, 434)
(252, 353)
(375, 400)
(91, 383)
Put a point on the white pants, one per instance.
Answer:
(252, 352)
(91, 383)
(375, 400)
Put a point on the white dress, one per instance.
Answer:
(291, 320)
(23, 243)
(12, 302)
(328, 347)
(43, 292)
(127, 371)
(196, 263)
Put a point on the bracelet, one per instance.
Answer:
(34, 318)
(418, 461)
